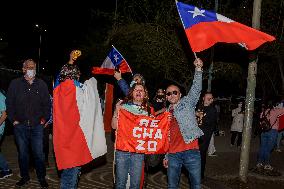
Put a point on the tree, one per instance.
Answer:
(250, 97)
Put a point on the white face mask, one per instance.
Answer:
(31, 73)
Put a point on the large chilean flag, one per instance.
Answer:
(78, 131)
(204, 28)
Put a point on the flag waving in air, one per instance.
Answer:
(113, 60)
(205, 28)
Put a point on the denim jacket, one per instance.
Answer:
(123, 86)
(184, 112)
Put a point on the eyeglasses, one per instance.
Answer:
(173, 92)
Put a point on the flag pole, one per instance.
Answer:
(195, 55)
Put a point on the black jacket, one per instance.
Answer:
(28, 103)
(209, 120)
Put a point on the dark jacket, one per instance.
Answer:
(28, 103)
(209, 120)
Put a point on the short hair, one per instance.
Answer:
(206, 93)
(27, 61)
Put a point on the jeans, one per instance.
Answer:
(192, 161)
(267, 143)
(25, 136)
(69, 178)
(127, 162)
(279, 137)
(3, 163)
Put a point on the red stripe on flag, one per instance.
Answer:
(205, 34)
(70, 145)
(124, 67)
(108, 107)
(98, 70)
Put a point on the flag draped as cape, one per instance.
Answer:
(78, 131)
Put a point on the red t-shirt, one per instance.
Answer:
(177, 143)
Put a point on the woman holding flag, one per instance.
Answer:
(78, 131)
(126, 162)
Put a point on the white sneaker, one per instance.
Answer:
(268, 167)
(259, 165)
(278, 150)
(212, 155)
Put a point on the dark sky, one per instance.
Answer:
(64, 24)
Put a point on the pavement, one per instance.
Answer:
(99, 174)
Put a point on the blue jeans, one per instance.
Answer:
(279, 137)
(267, 143)
(192, 161)
(26, 136)
(127, 162)
(69, 178)
(3, 163)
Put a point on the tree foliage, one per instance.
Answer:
(150, 36)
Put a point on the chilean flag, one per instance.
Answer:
(205, 28)
(112, 61)
(78, 128)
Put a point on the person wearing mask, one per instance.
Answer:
(28, 108)
(159, 101)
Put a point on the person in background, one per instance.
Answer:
(159, 101)
(28, 108)
(5, 171)
(237, 125)
(208, 126)
(137, 78)
(280, 133)
(268, 139)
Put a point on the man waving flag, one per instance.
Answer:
(205, 28)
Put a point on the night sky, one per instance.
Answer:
(63, 25)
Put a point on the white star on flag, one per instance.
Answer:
(197, 12)
(115, 57)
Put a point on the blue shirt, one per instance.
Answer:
(2, 109)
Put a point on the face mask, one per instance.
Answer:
(31, 73)
(161, 97)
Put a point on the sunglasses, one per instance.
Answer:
(173, 92)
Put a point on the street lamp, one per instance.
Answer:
(41, 30)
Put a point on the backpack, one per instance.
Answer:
(264, 123)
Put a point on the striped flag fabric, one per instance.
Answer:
(113, 60)
(204, 28)
(78, 133)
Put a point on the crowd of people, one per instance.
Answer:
(190, 125)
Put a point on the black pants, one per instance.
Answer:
(233, 138)
(204, 142)
(46, 133)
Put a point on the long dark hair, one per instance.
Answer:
(129, 97)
